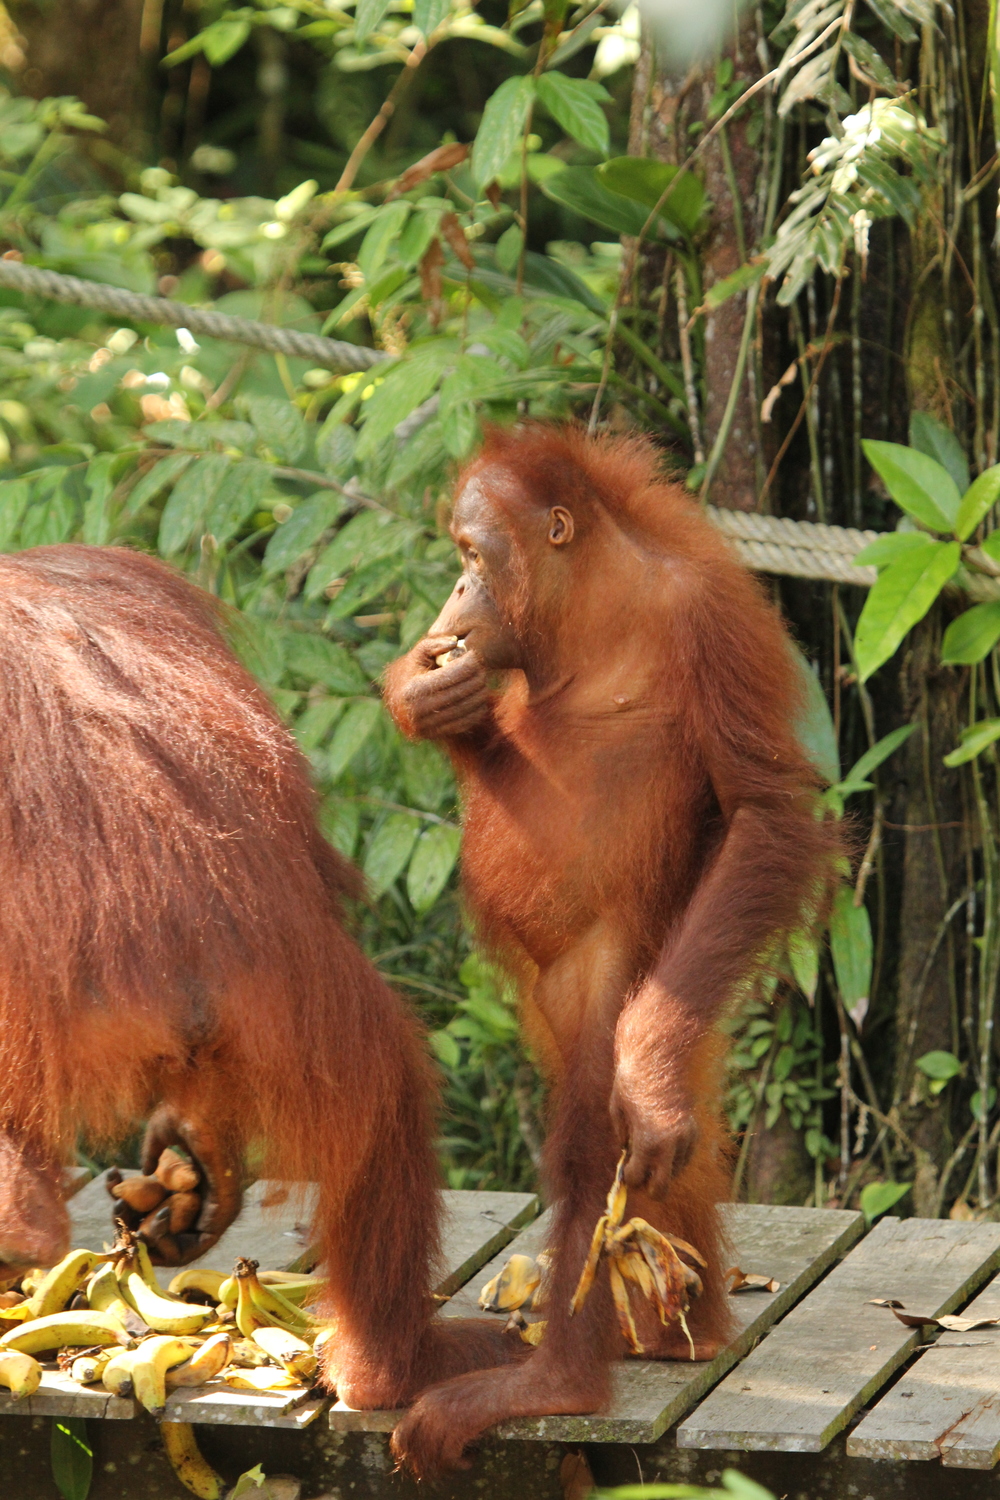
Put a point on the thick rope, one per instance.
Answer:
(332, 353)
(767, 544)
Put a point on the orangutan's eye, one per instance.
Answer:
(473, 555)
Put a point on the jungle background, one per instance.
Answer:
(547, 211)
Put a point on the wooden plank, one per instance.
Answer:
(947, 1405)
(795, 1245)
(218, 1404)
(832, 1353)
(60, 1396)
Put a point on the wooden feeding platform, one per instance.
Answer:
(810, 1360)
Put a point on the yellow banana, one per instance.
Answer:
(59, 1284)
(271, 1307)
(20, 1374)
(513, 1287)
(247, 1354)
(267, 1378)
(207, 1361)
(198, 1279)
(32, 1280)
(302, 1290)
(228, 1292)
(116, 1376)
(65, 1328)
(247, 1315)
(105, 1295)
(87, 1368)
(293, 1354)
(194, 1472)
(141, 1291)
(153, 1358)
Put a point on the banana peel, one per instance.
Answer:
(512, 1287)
(185, 1457)
(85, 1328)
(640, 1255)
(208, 1361)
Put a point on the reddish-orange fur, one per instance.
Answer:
(639, 825)
(170, 930)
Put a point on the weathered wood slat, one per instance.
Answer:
(832, 1353)
(60, 1396)
(220, 1405)
(947, 1405)
(795, 1245)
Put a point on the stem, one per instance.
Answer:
(383, 117)
(687, 363)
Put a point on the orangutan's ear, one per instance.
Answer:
(560, 526)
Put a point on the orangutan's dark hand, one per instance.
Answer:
(436, 703)
(221, 1186)
(660, 1135)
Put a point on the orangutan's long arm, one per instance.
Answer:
(429, 702)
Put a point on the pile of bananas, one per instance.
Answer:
(162, 1206)
(104, 1319)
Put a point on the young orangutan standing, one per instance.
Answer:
(639, 827)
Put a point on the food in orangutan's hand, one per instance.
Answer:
(452, 654)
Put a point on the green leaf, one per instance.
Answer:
(445, 1049)
(433, 861)
(240, 493)
(428, 14)
(814, 728)
(52, 517)
(739, 280)
(501, 128)
(185, 511)
(340, 823)
(416, 237)
(14, 497)
(878, 753)
(979, 498)
(890, 13)
(991, 546)
(891, 547)
(645, 181)
(349, 228)
(154, 481)
(942, 1065)
(302, 530)
(918, 484)
(580, 189)
(864, 53)
(427, 775)
(975, 739)
(902, 595)
(368, 16)
(72, 1457)
(877, 1198)
(335, 447)
(353, 730)
(575, 104)
(973, 635)
(222, 39)
(376, 243)
(389, 850)
(249, 1480)
(100, 481)
(312, 727)
(280, 425)
(365, 584)
(402, 390)
(508, 248)
(367, 537)
(939, 442)
(851, 948)
(803, 955)
(459, 429)
(317, 659)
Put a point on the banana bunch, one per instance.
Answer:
(262, 1306)
(161, 1206)
(640, 1256)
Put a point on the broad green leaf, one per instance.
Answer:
(432, 862)
(501, 128)
(876, 1198)
(575, 104)
(340, 823)
(890, 13)
(14, 497)
(402, 390)
(459, 429)
(991, 546)
(851, 948)
(379, 237)
(445, 1049)
(938, 441)
(320, 660)
(428, 15)
(975, 739)
(427, 775)
(902, 595)
(353, 730)
(389, 850)
(313, 726)
(941, 1065)
(52, 517)
(241, 493)
(72, 1457)
(814, 728)
(279, 425)
(864, 53)
(739, 280)
(154, 481)
(335, 447)
(645, 181)
(979, 498)
(580, 189)
(918, 484)
(368, 16)
(302, 530)
(803, 955)
(368, 537)
(973, 635)
(878, 753)
(260, 646)
(185, 511)
(363, 585)
(416, 237)
(350, 227)
(891, 547)
(508, 248)
(202, 437)
(100, 481)
(222, 39)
